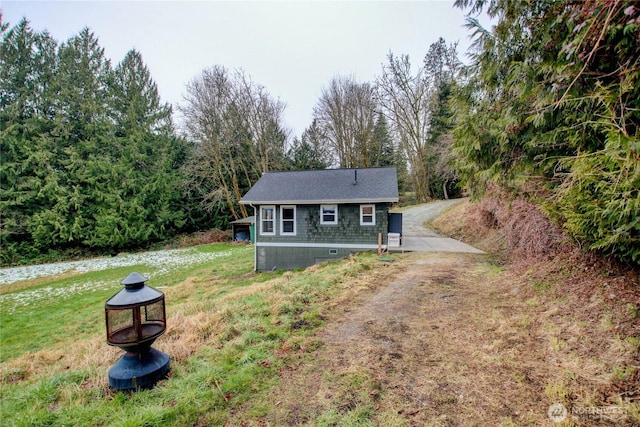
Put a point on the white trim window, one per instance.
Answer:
(288, 220)
(367, 214)
(328, 214)
(267, 220)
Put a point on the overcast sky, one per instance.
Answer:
(293, 49)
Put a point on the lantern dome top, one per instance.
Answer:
(134, 279)
(135, 292)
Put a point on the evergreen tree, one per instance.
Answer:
(442, 64)
(27, 66)
(136, 105)
(551, 113)
(89, 154)
(381, 149)
(309, 152)
(139, 199)
(80, 134)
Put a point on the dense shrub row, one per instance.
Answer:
(551, 113)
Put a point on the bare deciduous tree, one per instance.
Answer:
(405, 100)
(237, 131)
(346, 113)
(415, 106)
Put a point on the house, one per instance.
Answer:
(306, 217)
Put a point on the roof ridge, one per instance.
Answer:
(330, 170)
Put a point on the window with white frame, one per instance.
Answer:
(367, 214)
(288, 220)
(328, 214)
(267, 220)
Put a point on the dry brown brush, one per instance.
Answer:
(599, 296)
(526, 230)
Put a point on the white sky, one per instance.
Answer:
(293, 49)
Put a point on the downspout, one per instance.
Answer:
(255, 237)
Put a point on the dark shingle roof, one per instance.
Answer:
(325, 186)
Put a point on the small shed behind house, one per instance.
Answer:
(243, 230)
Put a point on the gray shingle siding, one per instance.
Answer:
(310, 230)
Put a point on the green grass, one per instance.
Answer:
(73, 308)
(247, 325)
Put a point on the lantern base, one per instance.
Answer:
(139, 371)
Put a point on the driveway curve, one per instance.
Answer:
(417, 238)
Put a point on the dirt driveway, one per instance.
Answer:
(452, 339)
(440, 344)
(442, 339)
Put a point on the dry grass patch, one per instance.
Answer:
(228, 336)
(586, 306)
(190, 326)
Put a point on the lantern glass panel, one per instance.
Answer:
(155, 312)
(120, 326)
(153, 322)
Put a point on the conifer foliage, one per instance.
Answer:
(551, 112)
(89, 154)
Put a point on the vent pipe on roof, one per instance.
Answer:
(355, 177)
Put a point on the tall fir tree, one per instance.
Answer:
(140, 200)
(381, 149)
(27, 67)
(80, 133)
(310, 151)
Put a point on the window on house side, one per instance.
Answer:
(267, 220)
(367, 215)
(288, 220)
(328, 214)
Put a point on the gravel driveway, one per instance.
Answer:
(413, 218)
(417, 238)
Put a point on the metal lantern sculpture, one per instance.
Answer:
(135, 317)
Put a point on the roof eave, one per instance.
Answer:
(318, 202)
